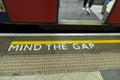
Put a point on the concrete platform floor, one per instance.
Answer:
(71, 12)
(99, 63)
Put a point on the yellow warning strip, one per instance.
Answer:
(65, 42)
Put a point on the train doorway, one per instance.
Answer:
(71, 12)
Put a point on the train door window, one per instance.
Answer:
(72, 12)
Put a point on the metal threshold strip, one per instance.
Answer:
(80, 22)
(60, 34)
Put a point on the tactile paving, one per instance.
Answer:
(58, 63)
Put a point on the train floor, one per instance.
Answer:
(60, 56)
(71, 12)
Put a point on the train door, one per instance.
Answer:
(71, 12)
(68, 11)
(114, 17)
(32, 10)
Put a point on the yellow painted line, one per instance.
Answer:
(65, 42)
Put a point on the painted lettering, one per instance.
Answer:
(49, 46)
(76, 46)
(57, 46)
(64, 47)
(27, 47)
(21, 47)
(91, 45)
(85, 46)
(37, 47)
(13, 47)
